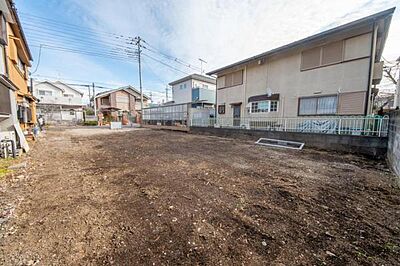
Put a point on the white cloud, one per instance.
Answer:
(225, 31)
(219, 31)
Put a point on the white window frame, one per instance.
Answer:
(45, 93)
(267, 110)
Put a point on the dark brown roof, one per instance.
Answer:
(264, 97)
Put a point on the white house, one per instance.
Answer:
(58, 102)
(196, 89)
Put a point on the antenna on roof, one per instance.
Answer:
(201, 65)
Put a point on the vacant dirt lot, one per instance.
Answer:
(154, 197)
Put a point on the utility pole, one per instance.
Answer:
(90, 98)
(201, 65)
(397, 93)
(139, 51)
(94, 98)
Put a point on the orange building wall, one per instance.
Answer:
(17, 77)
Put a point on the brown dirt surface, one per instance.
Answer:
(148, 197)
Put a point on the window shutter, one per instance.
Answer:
(13, 51)
(311, 58)
(332, 53)
(238, 78)
(220, 82)
(229, 80)
(352, 103)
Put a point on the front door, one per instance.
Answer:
(236, 115)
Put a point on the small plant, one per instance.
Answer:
(90, 123)
(4, 164)
(391, 247)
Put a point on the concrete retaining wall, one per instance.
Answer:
(374, 147)
(393, 153)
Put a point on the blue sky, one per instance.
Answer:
(218, 31)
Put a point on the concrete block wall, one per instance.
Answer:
(393, 153)
(374, 147)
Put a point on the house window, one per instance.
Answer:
(221, 109)
(105, 101)
(181, 86)
(68, 95)
(184, 86)
(21, 65)
(273, 106)
(260, 107)
(45, 93)
(318, 105)
(3, 29)
(234, 79)
(331, 53)
(5, 104)
(205, 86)
(72, 112)
(264, 106)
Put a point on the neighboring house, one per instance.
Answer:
(115, 103)
(196, 89)
(17, 104)
(330, 73)
(58, 102)
(18, 58)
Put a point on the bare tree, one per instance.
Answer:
(390, 69)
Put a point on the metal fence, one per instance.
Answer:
(167, 115)
(341, 125)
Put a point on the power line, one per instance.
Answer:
(170, 57)
(165, 64)
(78, 80)
(79, 45)
(51, 33)
(84, 52)
(111, 52)
(64, 24)
(37, 65)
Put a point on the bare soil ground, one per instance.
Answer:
(148, 197)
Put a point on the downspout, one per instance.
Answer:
(368, 107)
(245, 92)
(216, 99)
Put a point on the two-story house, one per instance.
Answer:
(120, 103)
(196, 89)
(331, 73)
(18, 58)
(58, 102)
(17, 104)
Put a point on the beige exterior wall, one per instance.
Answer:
(283, 75)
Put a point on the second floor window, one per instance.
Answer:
(45, 93)
(105, 101)
(21, 65)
